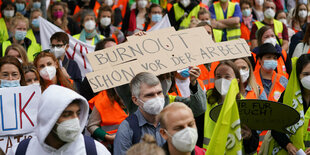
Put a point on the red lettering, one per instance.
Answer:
(22, 110)
(8, 144)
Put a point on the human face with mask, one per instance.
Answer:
(9, 11)
(304, 77)
(268, 62)
(58, 48)
(178, 128)
(246, 10)
(155, 15)
(16, 54)
(89, 24)
(243, 69)
(20, 31)
(282, 18)
(67, 127)
(31, 78)
(269, 37)
(205, 18)
(223, 76)
(150, 100)
(47, 68)
(58, 11)
(9, 75)
(34, 19)
(20, 5)
(105, 18)
(269, 10)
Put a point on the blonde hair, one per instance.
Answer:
(18, 18)
(163, 114)
(147, 146)
(20, 49)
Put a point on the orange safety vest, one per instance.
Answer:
(245, 33)
(276, 89)
(211, 74)
(178, 93)
(115, 38)
(308, 51)
(251, 95)
(204, 75)
(112, 115)
(281, 69)
(122, 4)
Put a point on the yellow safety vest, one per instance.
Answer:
(278, 29)
(32, 49)
(4, 35)
(232, 33)
(300, 130)
(179, 12)
(77, 36)
(209, 124)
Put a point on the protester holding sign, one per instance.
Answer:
(89, 34)
(19, 26)
(61, 118)
(266, 77)
(224, 73)
(252, 89)
(11, 73)
(51, 72)
(297, 95)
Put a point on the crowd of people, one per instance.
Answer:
(164, 114)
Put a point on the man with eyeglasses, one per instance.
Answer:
(59, 46)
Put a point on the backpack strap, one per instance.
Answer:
(90, 146)
(134, 125)
(22, 147)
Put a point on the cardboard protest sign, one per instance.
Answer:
(263, 115)
(18, 109)
(159, 53)
(7, 142)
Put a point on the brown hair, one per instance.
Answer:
(105, 8)
(18, 17)
(59, 74)
(147, 146)
(260, 33)
(296, 18)
(306, 39)
(51, 17)
(12, 60)
(215, 96)
(20, 49)
(245, 2)
(29, 67)
(60, 36)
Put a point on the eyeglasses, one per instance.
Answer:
(57, 45)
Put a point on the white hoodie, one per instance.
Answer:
(53, 102)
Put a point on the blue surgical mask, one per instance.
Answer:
(35, 23)
(156, 18)
(246, 12)
(20, 35)
(270, 64)
(185, 73)
(20, 6)
(9, 83)
(36, 5)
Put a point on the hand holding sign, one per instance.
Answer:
(263, 115)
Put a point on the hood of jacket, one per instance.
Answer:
(53, 102)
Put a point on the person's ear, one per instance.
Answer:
(163, 133)
(135, 100)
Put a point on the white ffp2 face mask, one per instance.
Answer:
(271, 40)
(48, 72)
(153, 106)
(244, 75)
(222, 85)
(185, 139)
(68, 130)
(185, 3)
(305, 81)
(58, 52)
(269, 13)
(90, 25)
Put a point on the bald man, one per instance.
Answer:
(179, 129)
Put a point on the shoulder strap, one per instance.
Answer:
(22, 147)
(134, 125)
(90, 146)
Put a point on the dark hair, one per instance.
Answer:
(60, 36)
(306, 38)
(6, 3)
(100, 45)
(245, 2)
(296, 18)
(64, 81)
(29, 67)
(149, 10)
(12, 60)
(215, 96)
(260, 33)
(301, 63)
(278, 12)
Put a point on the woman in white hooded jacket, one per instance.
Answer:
(60, 121)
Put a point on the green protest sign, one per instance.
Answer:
(263, 115)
